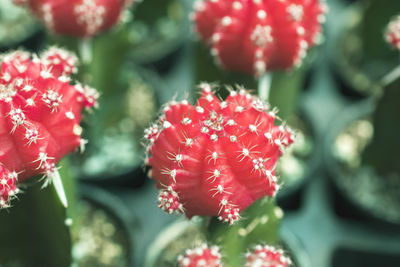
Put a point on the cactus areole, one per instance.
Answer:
(40, 112)
(253, 36)
(217, 157)
(83, 18)
(393, 33)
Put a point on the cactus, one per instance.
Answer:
(269, 35)
(261, 256)
(217, 157)
(82, 18)
(201, 256)
(392, 34)
(40, 112)
(8, 186)
(267, 256)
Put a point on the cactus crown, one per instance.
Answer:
(82, 18)
(40, 112)
(217, 157)
(392, 34)
(269, 34)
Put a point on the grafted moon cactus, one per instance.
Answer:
(40, 112)
(217, 157)
(267, 256)
(253, 36)
(201, 256)
(83, 18)
(393, 33)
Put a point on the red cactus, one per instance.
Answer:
(201, 256)
(393, 33)
(8, 187)
(216, 158)
(253, 36)
(61, 61)
(267, 256)
(82, 18)
(40, 114)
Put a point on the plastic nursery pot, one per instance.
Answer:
(298, 163)
(101, 234)
(114, 152)
(183, 234)
(158, 29)
(362, 56)
(18, 28)
(371, 195)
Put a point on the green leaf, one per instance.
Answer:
(33, 231)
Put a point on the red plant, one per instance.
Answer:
(215, 158)
(82, 18)
(40, 112)
(201, 256)
(253, 36)
(8, 187)
(393, 33)
(267, 256)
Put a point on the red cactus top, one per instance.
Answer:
(201, 256)
(217, 157)
(267, 256)
(40, 111)
(253, 36)
(83, 18)
(393, 33)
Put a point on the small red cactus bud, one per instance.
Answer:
(169, 202)
(40, 113)
(216, 158)
(83, 18)
(255, 36)
(267, 256)
(62, 62)
(202, 256)
(8, 187)
(393, 33)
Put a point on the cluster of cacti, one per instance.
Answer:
(40, 112)
(255, 36)
(217, 157)
(261, 256)
(392, 34)
(82, 18)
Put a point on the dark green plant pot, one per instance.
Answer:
(115, 154)
(18, 28)
(369, 196)
(362, 57)
(103, 236)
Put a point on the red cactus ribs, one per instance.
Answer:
(201, 256)
(40, 112)
(393, 33)
(83, 18)
(267, 256)
(253, 36)
(217, 157)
